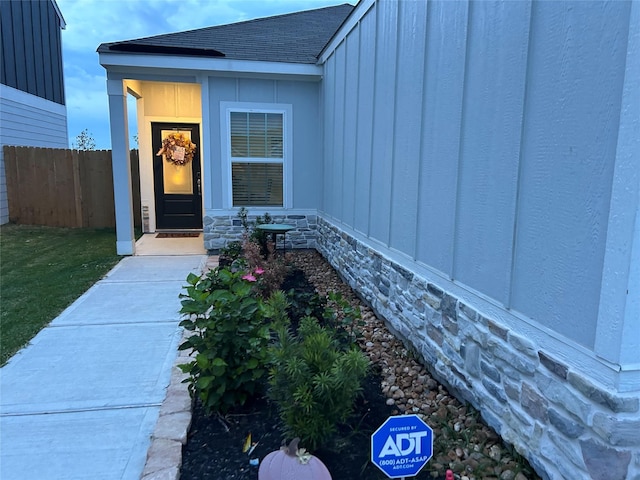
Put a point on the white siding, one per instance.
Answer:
(364, 132)
(568, 153)
(384, 97)
(350, 110)
(485, 144)
(492, 109)
(335, 187)
(446, 41)
(307, 166)
(27, 120)
(408, 124)
(328, 200)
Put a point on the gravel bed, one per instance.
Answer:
(462, 442)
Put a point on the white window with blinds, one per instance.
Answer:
(257, 151)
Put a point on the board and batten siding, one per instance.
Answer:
(29, 121)
(495, 220)
(32, 48)
(478, 139)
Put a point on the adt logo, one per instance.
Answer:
(402, 446)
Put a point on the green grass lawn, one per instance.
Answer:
(42, 271)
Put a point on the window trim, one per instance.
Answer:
(287, 148)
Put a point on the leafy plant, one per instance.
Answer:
(272, 267)
(230, 337)
(305, 304)
(342, 317)
(314, 381)
(243, 215)
(252, 234)
(229, 253)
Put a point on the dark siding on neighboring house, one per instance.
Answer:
(32, 48)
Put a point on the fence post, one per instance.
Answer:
(11, 176)
(77, 189)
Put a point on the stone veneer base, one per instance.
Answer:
(219, 230)
(566, 426)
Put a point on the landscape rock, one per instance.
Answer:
(466, 446)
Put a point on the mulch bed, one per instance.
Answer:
(214, 447)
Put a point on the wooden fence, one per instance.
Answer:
(64, 188)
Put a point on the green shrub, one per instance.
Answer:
(273, 268)
(229, 253)
(252, 234)
(340, 316)
(230, 337)
(314, 381)
(305, 304)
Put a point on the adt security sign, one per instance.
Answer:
(402, 446)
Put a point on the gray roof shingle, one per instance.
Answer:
(295, 38)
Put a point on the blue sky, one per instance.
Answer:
(92, 22)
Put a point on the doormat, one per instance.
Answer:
(178, 235)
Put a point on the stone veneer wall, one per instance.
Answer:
(567, 427)
(220, 230)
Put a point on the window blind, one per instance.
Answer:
(256, 184)
(256, 135)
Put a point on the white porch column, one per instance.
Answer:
(125, 239)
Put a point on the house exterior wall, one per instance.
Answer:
(31, 121)
(302, 97)
(32, 111)
(483, 142)
(32, 48)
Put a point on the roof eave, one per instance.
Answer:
(214, 65)
(63, 24)
(359, 11)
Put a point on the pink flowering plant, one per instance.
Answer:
(249, 278)
(269, 271)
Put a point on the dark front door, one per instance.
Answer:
(177, 186)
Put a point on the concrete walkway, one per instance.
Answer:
(81, 401)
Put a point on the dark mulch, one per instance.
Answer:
(214, 447)
(214, 453)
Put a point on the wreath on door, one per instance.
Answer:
(177, 149)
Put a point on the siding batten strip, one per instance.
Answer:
(355, 127)
(516, 207)
(452, 271)
(394, 160)
(423, 114)
(374, 88)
